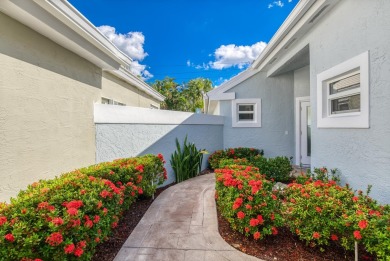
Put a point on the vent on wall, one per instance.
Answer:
(318, 14)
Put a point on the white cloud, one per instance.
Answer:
(227, 56)
(278, 3)
(188, 63)
(220, 81)
(132, 44)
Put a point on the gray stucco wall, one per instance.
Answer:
(362, 155)
(302, 82)
(153, 134)
(276, 135)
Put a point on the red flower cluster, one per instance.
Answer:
(3, 220)
(54, 239)
(69, 249)
(9, 237)
(357, 235)
(74, 204)
(237, 203)
(316, 235)
(241, 215)
(363, 224)
(140, 168)
(57, 221)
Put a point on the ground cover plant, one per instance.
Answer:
(315, 208)
(66, 217)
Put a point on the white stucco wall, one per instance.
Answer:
(121, 91)
(127, 132)
(46, 108)
(276, 134)
(362, 155)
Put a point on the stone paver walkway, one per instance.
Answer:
(181, 225)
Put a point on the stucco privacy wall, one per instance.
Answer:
(46, 108)
(276, 134)
(121, 91)
(362, 155)
(128, 131)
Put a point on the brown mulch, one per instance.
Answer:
(284, 246)
(108, 250)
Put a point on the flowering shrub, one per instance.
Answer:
(66, 217)
(245, 198)
(322, 211)
(233, 153)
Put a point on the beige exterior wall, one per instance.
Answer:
(47, 97)
(117, 89)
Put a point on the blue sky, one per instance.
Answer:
(184, 39)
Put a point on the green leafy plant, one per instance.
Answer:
(233, 153)
(277, 169)
(66, 217)
(187, 160)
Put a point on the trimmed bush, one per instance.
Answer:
(66, 217)
(277, 169)
(245, 198)
(233, 153)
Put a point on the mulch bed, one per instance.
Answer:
(110, 248)
(284, 246)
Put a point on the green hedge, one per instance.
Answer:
(66, 217)
(233, 153)
(276, 169)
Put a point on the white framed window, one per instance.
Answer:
(246, 113)
(343, 95)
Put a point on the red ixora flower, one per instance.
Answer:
(240, 215)
(274, 231)
(54, 239)
(9, 237)
(334, 237)
(69, 249)
(57, 221)
(74, 204)
(140, 168)
(357, 234)
(253, 222)
(78, 252)
(316, 235)
(72, 211)
(256, 235)
(363, 224)
(3, 220)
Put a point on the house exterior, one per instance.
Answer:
(54, 66)
(319, 92)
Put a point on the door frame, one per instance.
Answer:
(298, 101)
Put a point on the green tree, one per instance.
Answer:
(185, 97)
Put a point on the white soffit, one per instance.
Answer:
(45, 17)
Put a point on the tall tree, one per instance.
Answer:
(185, 97)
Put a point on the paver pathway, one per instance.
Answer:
(181, 225)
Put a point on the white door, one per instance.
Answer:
(305, 131)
